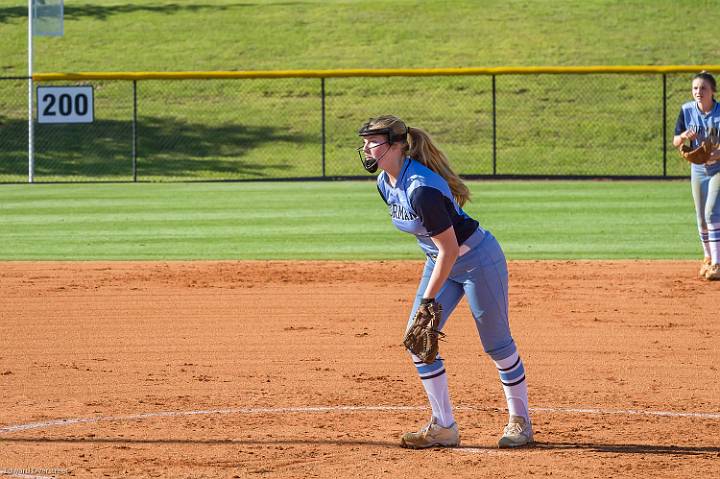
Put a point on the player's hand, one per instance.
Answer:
(689, 134)
(423, 335)
(715, 156)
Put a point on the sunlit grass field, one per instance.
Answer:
(336, 220)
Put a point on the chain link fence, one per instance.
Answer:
(524, 125)
(13, 129)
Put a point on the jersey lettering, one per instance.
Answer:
(397, 212)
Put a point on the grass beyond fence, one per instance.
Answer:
(167, 35)
(336, 220)
(587, 125)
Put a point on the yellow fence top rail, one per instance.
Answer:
(387, 72)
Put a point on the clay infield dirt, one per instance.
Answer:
(295, 370)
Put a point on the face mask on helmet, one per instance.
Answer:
(370, 163)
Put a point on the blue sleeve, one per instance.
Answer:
(429, 204)
(680, 123)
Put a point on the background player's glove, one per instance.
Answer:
(423, 335)
(701, 154)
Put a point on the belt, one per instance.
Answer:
(475, 239)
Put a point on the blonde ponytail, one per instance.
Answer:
(423, 149)
(420, 147)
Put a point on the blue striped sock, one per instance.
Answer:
(434, 380)
(512, 376)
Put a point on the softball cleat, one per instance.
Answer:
(713, 272)
(517, 433)
(432, 435)
(704, 268)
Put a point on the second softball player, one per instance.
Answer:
(696, 120)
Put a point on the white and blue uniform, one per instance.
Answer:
(421, 203)
(704, 179)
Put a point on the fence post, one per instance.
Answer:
(134, 132)
(322, 121)
(494, 129)
(31, 138)
(664, 120)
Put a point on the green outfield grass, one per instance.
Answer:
(336, 220)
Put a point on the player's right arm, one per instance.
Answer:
(682, 132)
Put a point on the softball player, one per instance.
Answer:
(425, 198)
(694, 124)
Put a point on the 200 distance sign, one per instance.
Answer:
(71, 104)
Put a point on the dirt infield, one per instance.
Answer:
(295, 370)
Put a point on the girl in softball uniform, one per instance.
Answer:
(425, 198)
(696, 119)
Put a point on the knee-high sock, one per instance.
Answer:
(512, 376)
(713, 238)
(705, 240)
(434, 380)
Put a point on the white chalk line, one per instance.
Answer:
(29, 474)
(334, 409)
(9, 473)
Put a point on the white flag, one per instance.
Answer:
(47, 18)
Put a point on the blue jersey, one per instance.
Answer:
(691, 117)
(422, 204)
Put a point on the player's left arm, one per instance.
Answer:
(715, 155)
(713, 139)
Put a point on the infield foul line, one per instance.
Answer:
(30, 473)
(335, 409)
(5, 472)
